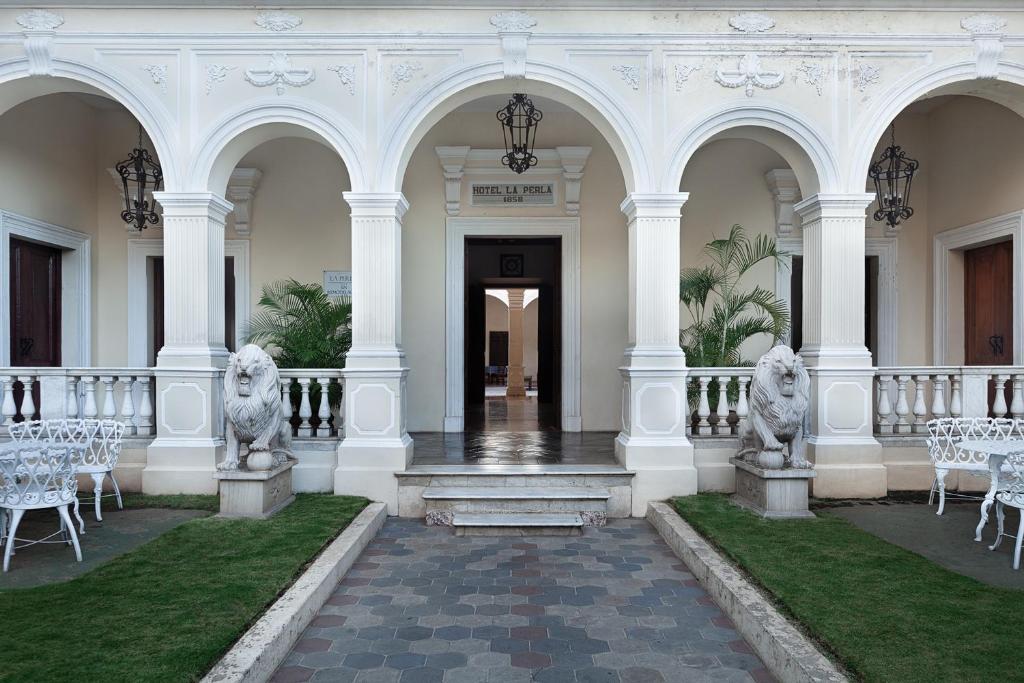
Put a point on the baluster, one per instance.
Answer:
(127, 405)
(920, 409)
(999, 404)
(28, 403)
(938, 395)
(703, 407)
(305, 409)
(722, 410)
(145, 427)
(742, 407)
(286, 402)
(109, 407)
(1017, 403)
(956, 403)
(8, 409)
(324, 430)
(71, 405)
(89, 410)
(902, 409)
(884, 405)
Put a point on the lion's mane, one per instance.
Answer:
(251, 414)
(783, 415)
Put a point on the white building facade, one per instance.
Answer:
(308, 139)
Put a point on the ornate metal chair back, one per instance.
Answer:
(40, 474)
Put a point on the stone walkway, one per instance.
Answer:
(616, 604)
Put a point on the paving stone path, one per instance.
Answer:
(424, 606)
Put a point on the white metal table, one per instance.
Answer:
(997, 452)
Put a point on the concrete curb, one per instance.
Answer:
(258, 653)
(787, 653)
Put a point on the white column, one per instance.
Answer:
(653, 439)
(516, 380)
(190, 415)
(376, 443)
(846, 455)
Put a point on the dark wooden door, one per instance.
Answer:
(988, 305)
(158, 305)
(35, 304)
(475, 337)
(498, 344)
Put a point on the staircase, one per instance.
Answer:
(515, 500)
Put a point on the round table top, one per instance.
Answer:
(993, 447)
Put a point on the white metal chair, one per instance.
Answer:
(38, 476)
(946, 433)
(101, 440)
(1012, 495)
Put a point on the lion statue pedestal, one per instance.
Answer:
(772, 474)
(260, 483)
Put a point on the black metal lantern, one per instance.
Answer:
(139, 175)
(893, 174)
(519, 120)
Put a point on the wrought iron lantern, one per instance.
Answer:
(519, 120)
(140, 174)
(893, 175)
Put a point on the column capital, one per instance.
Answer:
(852, 205)
(194, 204)
(653, 204)
(377, 204)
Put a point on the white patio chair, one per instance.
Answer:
(101, 440)
(1012, 495)
(946, 433)
(38, 476)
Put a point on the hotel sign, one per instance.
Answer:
(338, 283)
(513, 194)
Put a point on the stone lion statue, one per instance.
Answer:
(778, 411)
(252, 405)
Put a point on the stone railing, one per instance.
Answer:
(721, 387)
(297, 387)
(123, 394)
(907, 397)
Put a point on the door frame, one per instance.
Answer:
(457, 229)
(946, 243)
(140, 336)
(76, 284)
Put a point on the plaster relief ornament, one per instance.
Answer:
(865, 75)
(279, 72)
(403, 73)
(252, 406)
(347, 76)
(277, 21)
(39, 20)
(752, 22)
(683, 73)
(215, 73)
(779, 396)
(513, 21)
(983, 23)
(814, 74)
(749, 75)
(158, 72)
(630, 74)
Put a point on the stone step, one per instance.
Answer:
(522, 524)
(515, 499)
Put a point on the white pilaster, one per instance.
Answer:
(190, 414)
(847, 457)
(516, 387)
(653, 439)
(376, 443)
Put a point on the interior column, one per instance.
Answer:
(845, 453)
(516, 381)
(376, 443)
(190, 430)
(653, 439)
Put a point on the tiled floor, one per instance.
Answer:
(500, 414)
(514, 448)
(615, 605)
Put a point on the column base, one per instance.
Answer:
(367, 467)
(847, 468)
(182, 466)
(663, 468)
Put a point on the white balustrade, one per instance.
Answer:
(729, 380)
(323, 423)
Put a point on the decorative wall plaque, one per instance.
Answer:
(512, 194)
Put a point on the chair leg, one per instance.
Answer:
(16, 516)
(63, 510)
(81, 522)
(97, 478)
(931, 492)
(117, 491)
(940, 477)
(1016, 546)
(1000, 519)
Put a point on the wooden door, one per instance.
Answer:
(35, 304)
(988, 305)
(474, 337)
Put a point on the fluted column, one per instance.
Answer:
(847, 457)
(653, 439)
(190, 430)
(516, 381)
(376, 443)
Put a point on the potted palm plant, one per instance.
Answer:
(724, 313)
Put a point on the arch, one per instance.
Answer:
(453, 89)
(960, 78)
(66, 75)
(239, 131)
(795, 139)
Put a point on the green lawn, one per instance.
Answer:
(885, 613)
(169, 609)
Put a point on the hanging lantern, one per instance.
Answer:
(519, 124)
(139, 175)
(893, 174)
